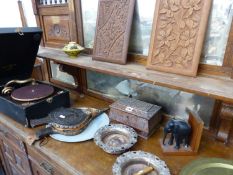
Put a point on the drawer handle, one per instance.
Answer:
(47, 167)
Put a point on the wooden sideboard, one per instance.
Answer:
(83, 158)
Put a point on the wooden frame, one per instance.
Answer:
(78, 20)
(61, 23)
(22, 15)
(76, 73)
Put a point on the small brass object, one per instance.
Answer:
(19, 31)
(145, 171)
(8, 89)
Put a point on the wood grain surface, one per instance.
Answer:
(87, 159)
(210, 86)
(177, 35)
(113, 30)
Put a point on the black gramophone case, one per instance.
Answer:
(18, 50)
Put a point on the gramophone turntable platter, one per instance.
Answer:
(32, 92)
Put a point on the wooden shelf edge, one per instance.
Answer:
(215, 87)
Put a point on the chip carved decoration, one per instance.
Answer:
(179, 29)
(113, 30)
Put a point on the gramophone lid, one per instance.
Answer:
(18, 50)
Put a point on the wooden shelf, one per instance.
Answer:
(215, 87)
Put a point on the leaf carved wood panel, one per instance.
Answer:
(178, 34)
(113, 30)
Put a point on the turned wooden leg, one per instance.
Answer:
(226, 118)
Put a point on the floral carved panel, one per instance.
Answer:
(178, 34)
(113, 30)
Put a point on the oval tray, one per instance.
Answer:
(135, 161)
(115, 138)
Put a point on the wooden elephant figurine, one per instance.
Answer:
(180, 131)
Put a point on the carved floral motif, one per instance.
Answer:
(112, 29)
(176, 32)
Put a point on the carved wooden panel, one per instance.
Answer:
(60, 21)
(178, 34)
(113, 30)
(17, 161)
(14, 154)
(56, 29)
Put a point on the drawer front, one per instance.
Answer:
(41, 166)
(129, 119)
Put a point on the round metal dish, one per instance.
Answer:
(208, 166)
(133, 162)
(115, 138)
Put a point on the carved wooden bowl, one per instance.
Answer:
(135, 162)
(115, 138)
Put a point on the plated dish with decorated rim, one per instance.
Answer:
(115, 138)
(139, 162)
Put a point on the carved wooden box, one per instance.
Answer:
(142, 116)
(177, 35)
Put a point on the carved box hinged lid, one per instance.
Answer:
(136, 107)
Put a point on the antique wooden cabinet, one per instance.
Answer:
(20, 159)
(13, 154)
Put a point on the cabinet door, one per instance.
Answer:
(14, 154)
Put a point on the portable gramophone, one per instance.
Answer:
(21, 97)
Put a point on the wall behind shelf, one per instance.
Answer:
(174, 102)
(10, 16)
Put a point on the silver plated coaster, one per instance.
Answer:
(115, 138)
(135, 162)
